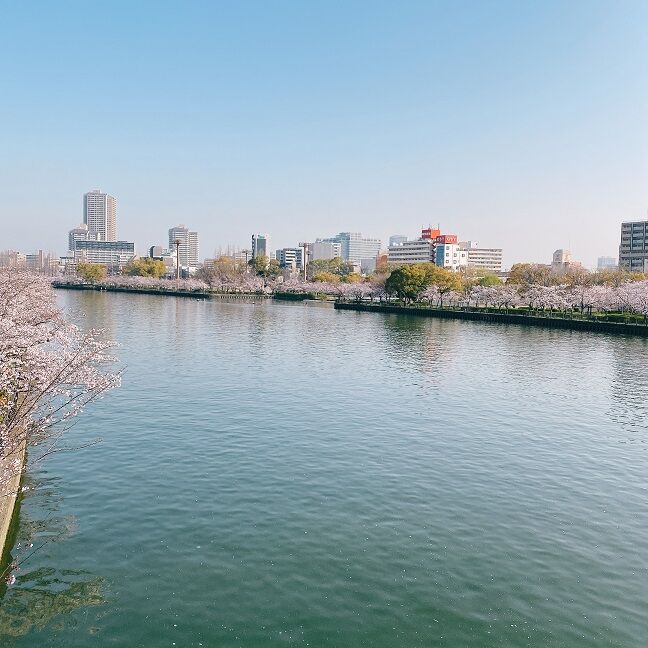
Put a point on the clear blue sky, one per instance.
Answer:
(518, 124)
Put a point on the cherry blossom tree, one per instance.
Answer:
(49, 369)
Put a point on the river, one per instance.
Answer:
(288, 475)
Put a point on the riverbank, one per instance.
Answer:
(11, 463)
(201, 294)
(503, 318)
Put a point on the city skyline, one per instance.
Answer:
(520, 127)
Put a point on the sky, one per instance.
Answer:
(521, 125)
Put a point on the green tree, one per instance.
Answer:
(260, 264)
(325, 277)
(445, 280)
(531, 274)
(91, 272)
(335, 266)
(407, 282)
(145, 267)
(489, 280)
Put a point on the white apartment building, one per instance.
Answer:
(100, 215)
(451, 255)
(115, 254)
(188, 250)
(419, 251)
(486, 258)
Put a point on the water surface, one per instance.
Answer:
(287, 475)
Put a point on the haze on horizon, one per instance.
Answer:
(519, 125)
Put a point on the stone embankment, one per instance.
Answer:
(12, 460)
(503, 318)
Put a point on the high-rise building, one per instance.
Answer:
(100, 214)
(355, 247)
(188, 249)
(633, 250)
(260, 245)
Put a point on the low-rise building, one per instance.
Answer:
(419, 251)
(114, 254)
(449, 254)
(480, 257)
(324, 250)
(291, 258)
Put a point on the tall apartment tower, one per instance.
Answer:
(100, 214)
(188, 249)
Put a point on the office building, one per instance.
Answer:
(321, 250)
(115, 254)
(260, 245)
(419, 251)
(81, 233)
(187, 249)
(633, 250)
(486, 258)
(100, 215)
(606, 263)
(354, 247)
(291, 258)
(449, 254)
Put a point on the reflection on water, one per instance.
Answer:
(629, 388)
(41, 591)
(277, 475)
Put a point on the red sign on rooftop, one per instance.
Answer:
(446, 239)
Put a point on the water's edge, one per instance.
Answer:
(618, 328)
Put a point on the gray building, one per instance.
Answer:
(100, 214)
(354, 247)
(260, 245)
(633, 249)
(291, 258)
(321, 250)
(419, 251)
